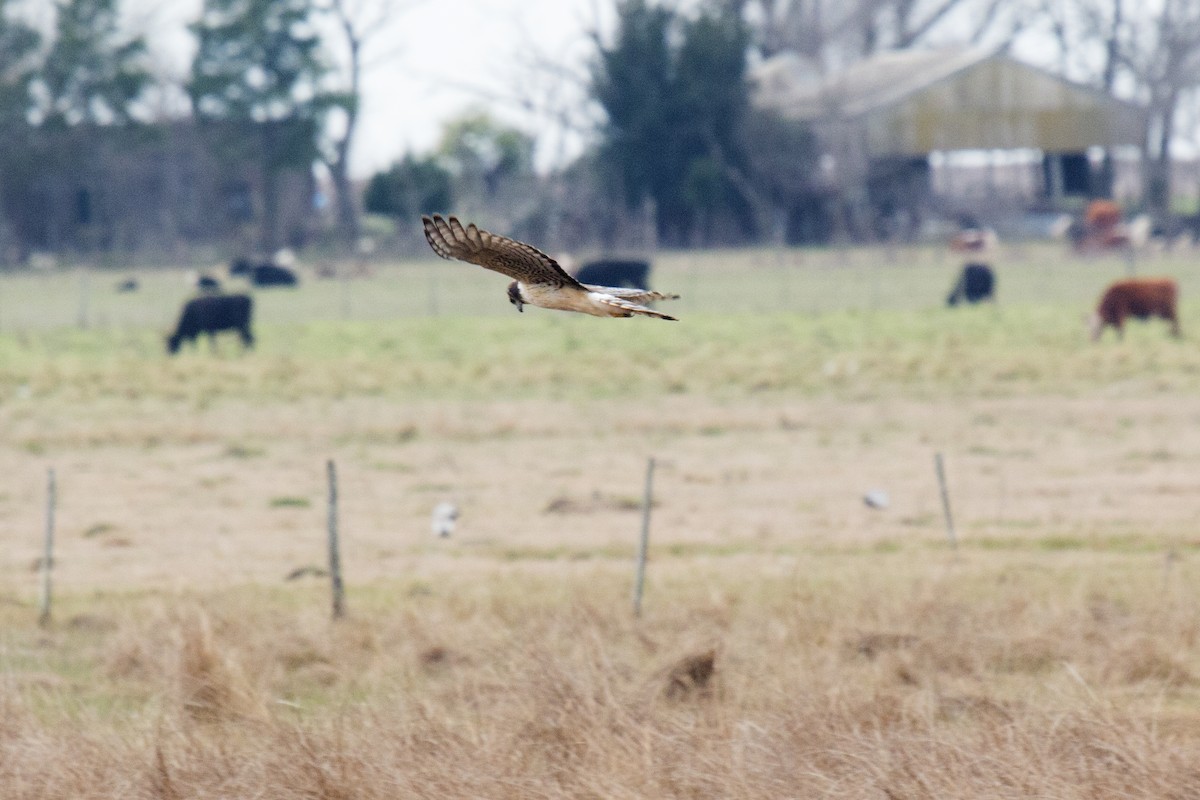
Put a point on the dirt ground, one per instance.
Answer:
(238, 494)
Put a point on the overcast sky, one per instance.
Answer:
(438, 59)
(433, 62)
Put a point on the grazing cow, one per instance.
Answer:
(1102, 228)
(633, 274)
(128, 285)
(1141, 298)
(976, 282)
(264, 273)
(211, 314)
(273, 275)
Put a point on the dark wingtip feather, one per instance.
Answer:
(435, 235)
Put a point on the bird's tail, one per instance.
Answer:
(632, 308)
(632, 295)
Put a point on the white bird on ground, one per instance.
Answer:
(444, 516)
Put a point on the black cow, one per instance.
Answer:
(264, 273)
(273, 275)
(634, 274)
(976, 282)
(211, 314)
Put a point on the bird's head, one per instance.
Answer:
(514, 296)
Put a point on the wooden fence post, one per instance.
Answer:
(941, 476)
(48, 549)
(644, 541)
(335, 559)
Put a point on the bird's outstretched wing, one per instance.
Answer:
(632, 295)
(519, 261)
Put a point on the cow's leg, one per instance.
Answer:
(247, 337)
(1174, 320)
(212, 341)
(956, 294)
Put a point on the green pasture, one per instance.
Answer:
(859, 321)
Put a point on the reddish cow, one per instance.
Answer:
(1137, 297)
(973, 240)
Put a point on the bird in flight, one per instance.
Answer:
(538, 280)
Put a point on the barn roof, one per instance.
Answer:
(913, 102)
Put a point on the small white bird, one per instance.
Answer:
(877, 498)
(444, 516)
(538, 280)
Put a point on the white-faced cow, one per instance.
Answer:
(212, 314)
(1140, 298)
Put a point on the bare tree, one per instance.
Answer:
(833, 32)
(358, 24)
(1163, 56)
(1151, 51)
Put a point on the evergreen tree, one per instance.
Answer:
(675, 95)
(92, 73)
(410, 188)
(260, 69)
(19, 45)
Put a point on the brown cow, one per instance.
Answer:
(974, 240)
(1136, 297)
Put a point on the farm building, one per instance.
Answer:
(907, 133)
(148, 188)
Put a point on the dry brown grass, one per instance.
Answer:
(550, 480)
(904, 677)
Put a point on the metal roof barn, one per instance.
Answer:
(879, 120)
(914, 102)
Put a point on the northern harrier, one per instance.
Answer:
(537, 278)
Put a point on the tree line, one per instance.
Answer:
(676, 150)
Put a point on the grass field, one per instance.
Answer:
(795, 643)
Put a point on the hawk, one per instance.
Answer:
(538, 280)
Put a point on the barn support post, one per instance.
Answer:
(48, 549)
(335, 559)
(941, 476)
(639, 580)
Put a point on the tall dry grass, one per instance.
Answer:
(894, 677)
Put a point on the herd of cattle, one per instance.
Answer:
(1132, 298)
(213, 312)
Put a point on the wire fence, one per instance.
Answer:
(152, 515)
(715, 281)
